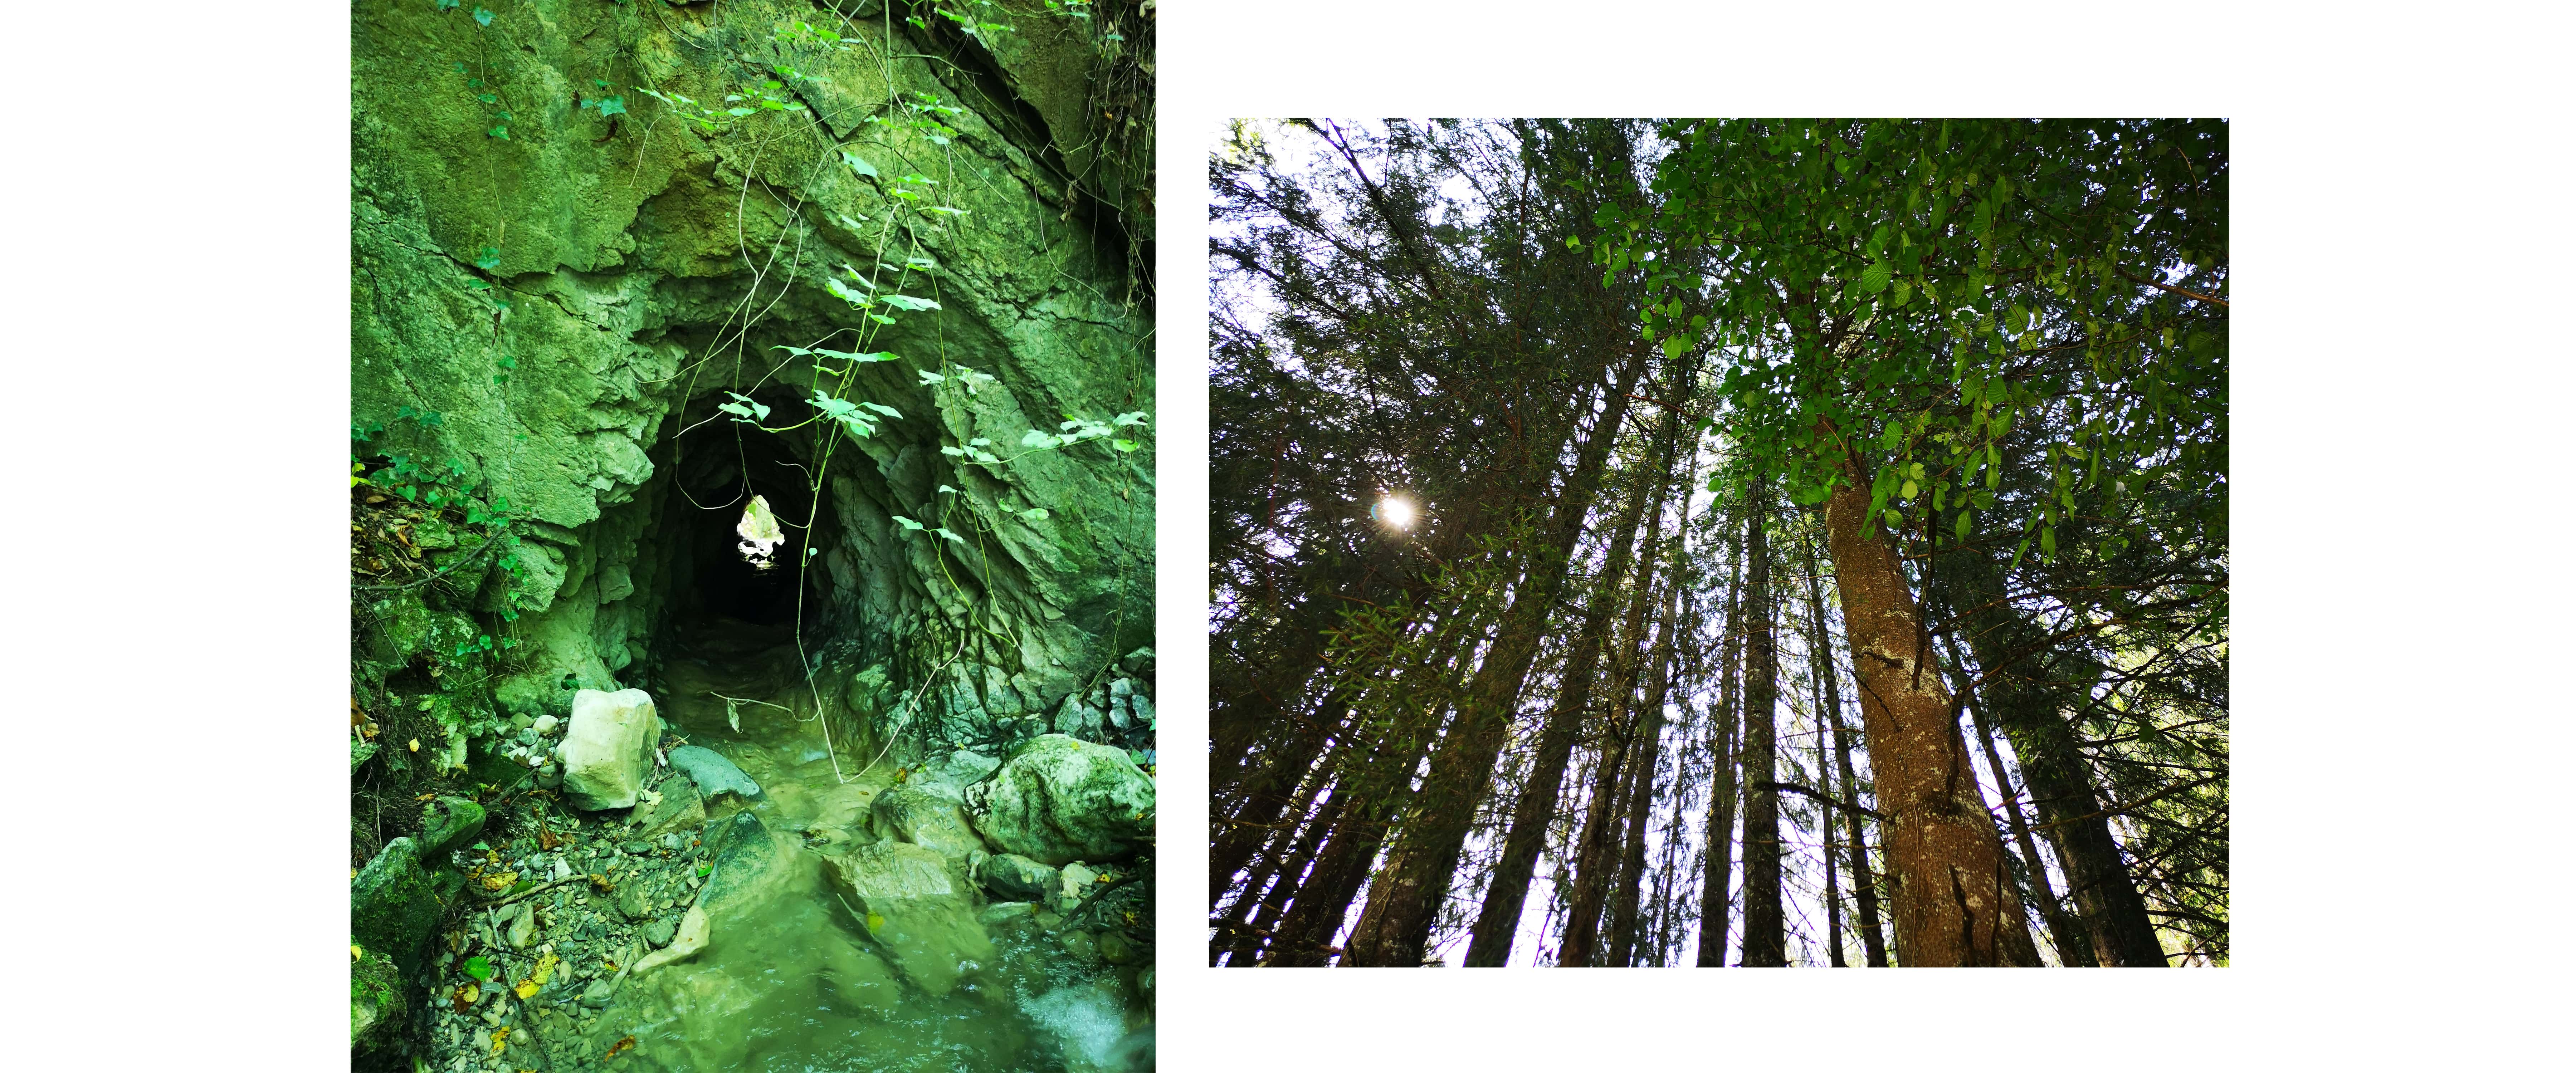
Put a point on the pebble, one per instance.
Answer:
(659, 932)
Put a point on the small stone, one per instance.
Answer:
(546, 724)
(659, 932)
(712, 773)
(523, 927)
(595, 996)
(1001, 912)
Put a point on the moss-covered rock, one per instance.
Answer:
(392, 907)
(377, 1010)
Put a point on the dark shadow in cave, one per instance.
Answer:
(728, 466)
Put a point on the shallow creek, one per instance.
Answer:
(792, 976)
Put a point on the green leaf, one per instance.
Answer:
(482, 16)
(943, 531)
(2048, 541)
(1035, 438)
(929, 377)
(478, 967)
(1035, 514)
(1874, 278)
(906, 301)
(907, 523)
(1962, 527)
(612, 106)
(1906, 492)
(1124, 446)
(859, 165)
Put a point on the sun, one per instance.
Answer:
(1395, 511)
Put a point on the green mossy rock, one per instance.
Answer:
(392, 907)
(377, 1011)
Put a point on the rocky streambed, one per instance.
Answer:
(692, 881)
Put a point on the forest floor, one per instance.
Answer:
(595, 969)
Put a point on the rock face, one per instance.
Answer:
(608, 748)
(448, 824)
(925, 819)
(909, 902)
(712, 773)
(1060, 800)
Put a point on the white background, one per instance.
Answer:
(175, 638)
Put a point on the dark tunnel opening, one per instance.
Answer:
(719, 471)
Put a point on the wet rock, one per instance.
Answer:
(1138, 662)
(1005, 912)
(690, 938)
(925, 819)
(608, 748)
(659, 932)
(712, 773)
(392, 907)
(1061, 799)
(750, 865)
(1015, 878)
(522, 927)
(678, 809)
(545, 724)
(908, 902)
(596, 996)
(448, 824)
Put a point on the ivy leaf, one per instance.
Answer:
(483, 16)
(1038, 439)
(906, 301)
(929, 377)
(859, 165)
(478, 967)
(1035, 514)
(907, 523)
(943, 531)
(1124, 446)
(612, 106)
(490, 260)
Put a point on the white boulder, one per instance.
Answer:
(608, 748)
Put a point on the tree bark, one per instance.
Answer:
(1954, 904)
(1765, 933)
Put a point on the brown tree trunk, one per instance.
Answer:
(1395, 928)
(1954, 904)
(1765, 930)
(1593, 859)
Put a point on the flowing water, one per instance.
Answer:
(794, 980)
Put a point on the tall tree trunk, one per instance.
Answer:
(1719, 864)
(1765, 930)
(2027, 691)
(1873, 942)
(1594, 855)
(1632, 874)
(1499, 919)
(1954, 904)
(1395, 928)
(2073, 949)
(1820, 660)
